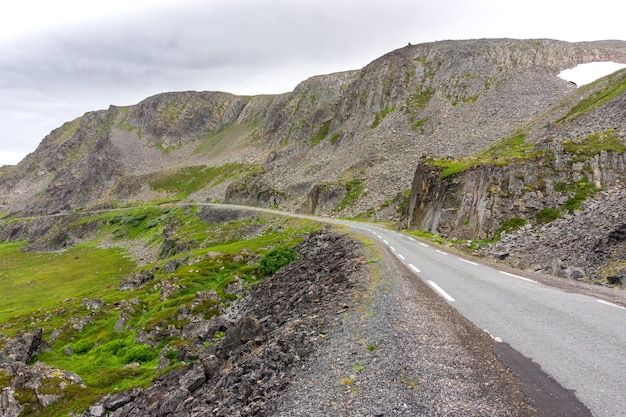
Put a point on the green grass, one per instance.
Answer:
(186, 180)
(512, 148)
(378, 117)
(218, 143)
(321, 133)
(586, 148)
(31, 281)
(45, 290)
(354, 188)
(610, 87)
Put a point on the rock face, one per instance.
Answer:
(274, 327)
(537, 181)
(588, 244)
(300, 150)
(33, 387)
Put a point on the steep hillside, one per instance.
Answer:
(556, 186)
(345, 143)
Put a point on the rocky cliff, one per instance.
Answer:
(345, 143)
(558, 180)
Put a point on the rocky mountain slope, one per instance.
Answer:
(496, 136)
(303, 149)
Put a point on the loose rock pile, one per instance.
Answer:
(268, 333)
(588, 244)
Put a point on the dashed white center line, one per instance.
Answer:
(610, 304)
(414, 268)
(392, 248)
(518, 277)
(379, 236)
(386, 243)
(469, 262)
(443, 253)
(401, 257)
(424, 245)
(440, 291)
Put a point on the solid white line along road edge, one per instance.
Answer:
(401, 257)
(440, 291)
(414, 268)
(610, 304)
(469, 262)
(518, 277)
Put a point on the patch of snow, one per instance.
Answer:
(587, 73)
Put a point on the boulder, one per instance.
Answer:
(22, 348)
(194, 378)
(247, 329)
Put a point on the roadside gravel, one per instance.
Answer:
(402, 351)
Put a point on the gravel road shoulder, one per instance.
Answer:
(402, 351)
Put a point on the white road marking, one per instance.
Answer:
(443, 253)
(424, 245)
(469, 262)
(518, 277)
(414, 268)
(379, 236)
(386, 243)
(610, 304)
(495, 338)
(392, 248)
(401, 257)
(440, 291)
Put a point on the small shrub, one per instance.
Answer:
(171, 354)
(511, 224)
(547, 214)
(83, 346)
(275, 259)
(140, 353)
(115, 347)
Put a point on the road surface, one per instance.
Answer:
(578, 340)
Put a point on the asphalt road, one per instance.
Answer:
(578, 340)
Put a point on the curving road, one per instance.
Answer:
(578, 340)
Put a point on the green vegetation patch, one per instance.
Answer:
(379, 116)
(275, 259)
(511, 224)
(321, 133)
(31, 281)
(579, 192)
(186, 180)
(592, 145)
(216, 143)
(511, 148)
(609, 88)
(354, 188)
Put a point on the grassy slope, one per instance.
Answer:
(44, 290)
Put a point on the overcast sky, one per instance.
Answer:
(62, 58)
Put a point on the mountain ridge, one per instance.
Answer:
(346, 143)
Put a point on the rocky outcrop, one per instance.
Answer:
(530, 181)
(272, 330)
(33, 387)
(586, 245)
